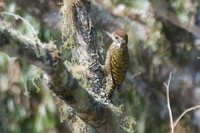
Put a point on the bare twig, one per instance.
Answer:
(174, 123)
(168, 103)
(135, 75)
(186, 111)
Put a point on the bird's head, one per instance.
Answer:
(119, 37)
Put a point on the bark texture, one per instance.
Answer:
(102, 116)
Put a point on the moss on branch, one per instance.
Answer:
(103, 117)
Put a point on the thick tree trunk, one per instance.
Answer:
(101, 116)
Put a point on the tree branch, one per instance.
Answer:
(172, 122)
(185, 112)
(61, 81)
(181, 32)
(46, 11)
(103, 117)
(168, 103)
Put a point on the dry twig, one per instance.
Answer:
(174, 123)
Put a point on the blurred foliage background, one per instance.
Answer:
(156, 47)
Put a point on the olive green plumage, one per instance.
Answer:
(117, 59)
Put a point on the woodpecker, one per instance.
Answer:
(117, 59)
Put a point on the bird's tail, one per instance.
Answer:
(114, 88)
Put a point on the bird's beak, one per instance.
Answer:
(109, 34)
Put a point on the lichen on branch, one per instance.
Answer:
(102, 117)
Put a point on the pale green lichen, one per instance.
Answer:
(68, 26)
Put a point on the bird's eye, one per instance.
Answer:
(116, 37)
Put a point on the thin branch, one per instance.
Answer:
(59, 80)
(19, 46)
(172, 123)
(25, 21)
(102, 117)
(168, 103)
(186, 111)
(164, 10)
(135, 75)
(45, 11)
